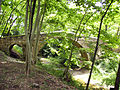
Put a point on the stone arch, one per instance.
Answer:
(8, 42)
(84, 54)
(12, 53)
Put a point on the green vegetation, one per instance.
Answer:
(79, 32)
(18, 49)
(54, 68)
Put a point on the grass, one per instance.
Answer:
(3, 56)
(54, 70)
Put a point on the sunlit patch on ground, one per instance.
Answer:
(82, 76)
(3, 62)
(44, 60)
(14, 60)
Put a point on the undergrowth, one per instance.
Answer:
(54, 70)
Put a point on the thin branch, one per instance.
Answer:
(2, 17)
(8, 33)
(10, 17)
(13, 23)
(80, 25)
(84, 25)
(72, 48)
(43, 15)
(30, 15)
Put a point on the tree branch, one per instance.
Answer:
(10, 17)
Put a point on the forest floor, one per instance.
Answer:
(81, 75)
(12, 77)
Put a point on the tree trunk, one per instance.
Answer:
(36, 21)
(117, 82)
(26, 34)
(38, 34)
(28, 55)
(32, 9)
(66, 73)
(97, 43)
(38, 18)
(30, 43)
(28, 50)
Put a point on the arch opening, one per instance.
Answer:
(16, 51)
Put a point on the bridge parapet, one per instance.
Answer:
(7, 43)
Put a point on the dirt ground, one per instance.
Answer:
(12, 77)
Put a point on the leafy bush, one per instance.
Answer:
(60, 49)
(106, 66)
(110, 80)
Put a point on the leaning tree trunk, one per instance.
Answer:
(66, 73)
(97, 43)
(117, 82)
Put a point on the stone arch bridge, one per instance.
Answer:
(7, 43)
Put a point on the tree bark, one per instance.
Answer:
(38, 34)
(28, 44)
(97, 43)
(26, 34)
(32, 15)
(37, 21)
(117, 82)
